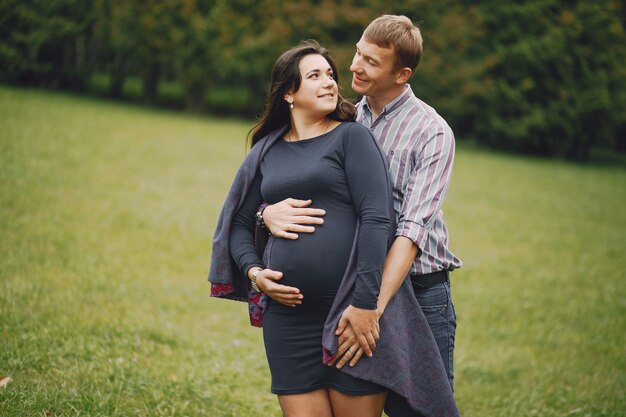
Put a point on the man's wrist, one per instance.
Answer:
(258, 217)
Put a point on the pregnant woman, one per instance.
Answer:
(312, 148)
(307, 145)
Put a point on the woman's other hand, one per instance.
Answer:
(365, 325)
(267, 281)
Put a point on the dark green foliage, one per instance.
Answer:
(540, 76)
(45, 42)
(554, 76)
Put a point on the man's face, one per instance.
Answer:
(372, 69)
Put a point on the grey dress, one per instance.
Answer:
(342, 172)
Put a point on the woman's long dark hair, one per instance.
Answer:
(285, 76)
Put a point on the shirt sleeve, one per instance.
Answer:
(242, 247)
(425, 192)
(369, 189)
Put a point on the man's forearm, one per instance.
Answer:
(397, 266)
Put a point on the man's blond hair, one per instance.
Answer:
(400, 34)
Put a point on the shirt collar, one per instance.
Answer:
(391, 106)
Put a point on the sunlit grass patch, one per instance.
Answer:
(107, 213)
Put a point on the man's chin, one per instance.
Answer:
(357, 89)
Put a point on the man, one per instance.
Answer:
(420, 149)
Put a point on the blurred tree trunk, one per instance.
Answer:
(620, 140)
(195, 97)
(150, 83)
(117, 75)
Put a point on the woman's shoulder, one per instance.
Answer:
(356, 128)
(355, 134)
(353, 130)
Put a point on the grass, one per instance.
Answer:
(107, 212)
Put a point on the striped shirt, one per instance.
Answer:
(420, 149)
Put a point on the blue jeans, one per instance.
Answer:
(437, 306)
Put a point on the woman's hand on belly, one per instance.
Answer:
(267, 279)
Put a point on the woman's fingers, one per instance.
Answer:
(284, 294)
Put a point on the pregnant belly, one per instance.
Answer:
(315, 264)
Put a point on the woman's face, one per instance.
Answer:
(317, 95)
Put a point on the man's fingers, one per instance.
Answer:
(308, 219)
(344, 359)
(348, 355)
(342, 349)
(356, 357)
(291, 230)
(298, 203)
(286, 235)
(300, 228)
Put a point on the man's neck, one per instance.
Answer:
(378, 103)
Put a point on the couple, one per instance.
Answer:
(336, 294)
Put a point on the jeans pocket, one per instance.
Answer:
(433, 300)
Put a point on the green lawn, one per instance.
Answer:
(106, 218)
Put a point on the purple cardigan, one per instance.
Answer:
(406, 360)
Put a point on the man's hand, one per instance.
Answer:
(364, 323)
(349, 349)
(289, 296)
(288, 217)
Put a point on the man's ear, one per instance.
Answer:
(404, 75)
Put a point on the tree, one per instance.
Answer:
(555, 76)
(44, 42)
